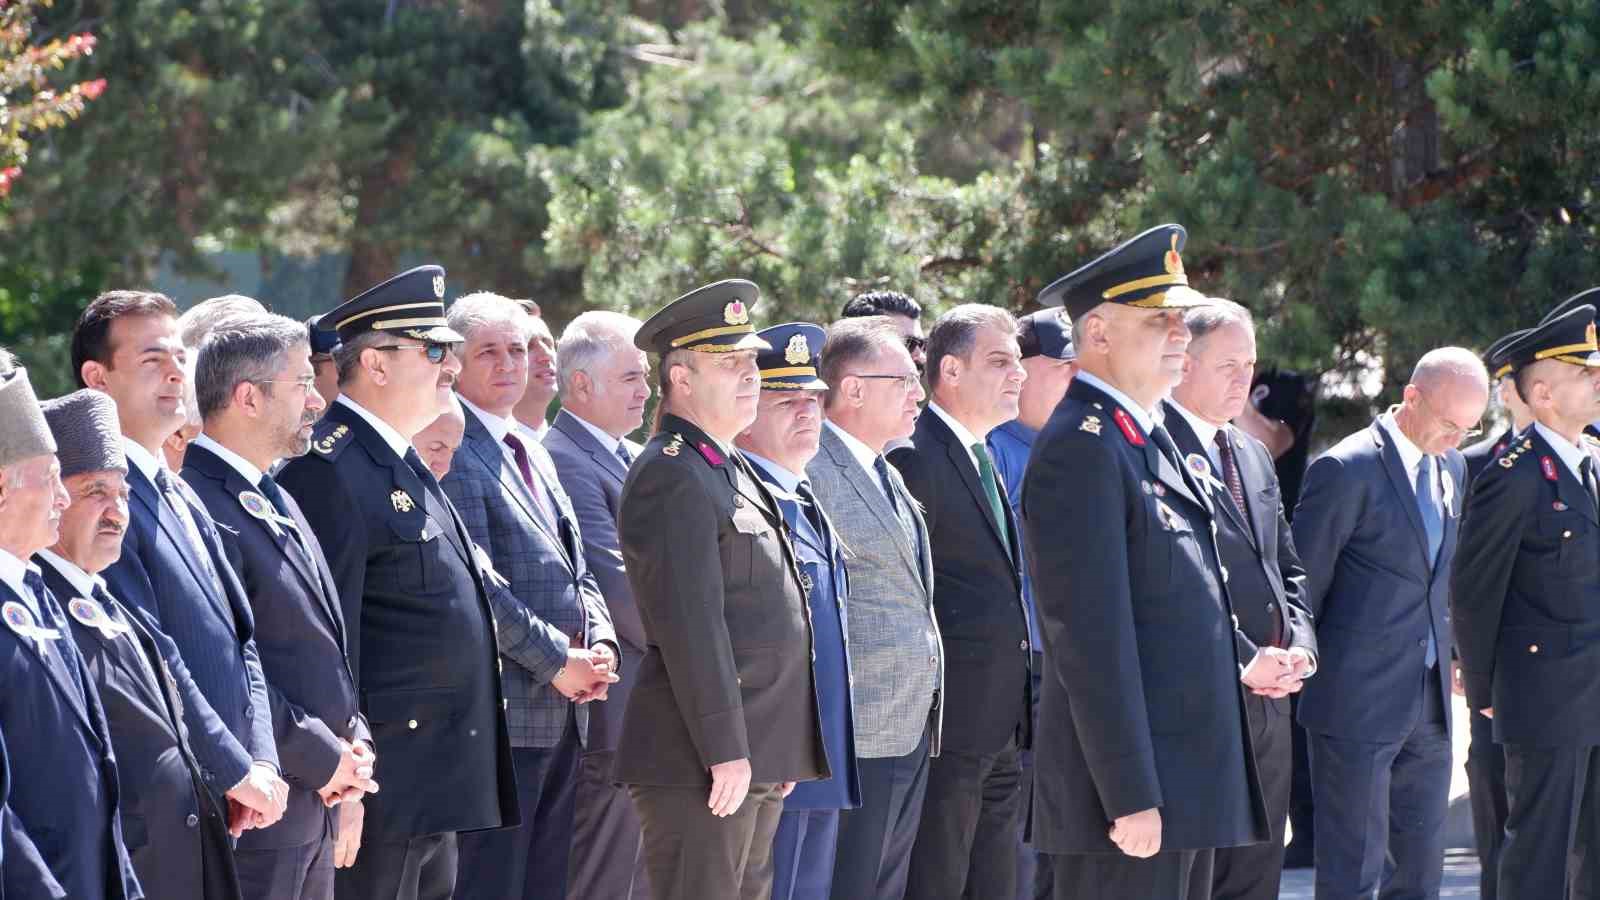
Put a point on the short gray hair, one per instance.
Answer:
(8, 360)
(955, 333)
(588, 339)
(239, 350)
(481, 309)
(200, 319)
(852, 341)
(1202, 320)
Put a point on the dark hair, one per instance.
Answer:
(956, 333)
(91, 337)
(242, 349)
(851, 341)
(882, 303)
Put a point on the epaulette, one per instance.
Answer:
(1509, 457)
(329, 439)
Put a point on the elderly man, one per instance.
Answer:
(964, 844)
(254, 382)
(505, 488)
(172, 564)
(1376, 528)
(64, 787)
(605, 383)
(542, 380)
(1276, 636)
(900, 310)
(723, 720)
(23, 873)
(896, 655)
(421, 638)
(177, 835)
(1526, 587)
(1141, 720)
(779, 444)
(437, 444)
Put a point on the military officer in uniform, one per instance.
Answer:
(723, 717)
(1143, 764)
(1528, 605)
(421, 639)
(779, 444)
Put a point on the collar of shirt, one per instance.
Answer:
(140, 459)
(1017, 431)
(1144, 417)
(11, 571)
(786, 479)
(499, 426)
(864, 455)
(607, 441)
(1570, 453)
(81, 581)
(537, 431)
(1204, 431)
(396, 442)
(962, 433)
(243, 466)
(1410, 454)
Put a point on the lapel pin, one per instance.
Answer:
(402, 502)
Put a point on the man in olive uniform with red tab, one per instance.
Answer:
(723, 717)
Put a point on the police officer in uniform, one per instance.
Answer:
(723, 717)
(421, 639)
(1143, 763)
(1529, 604)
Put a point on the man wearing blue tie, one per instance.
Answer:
(1376, 527)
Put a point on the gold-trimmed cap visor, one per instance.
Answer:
(1568, 337)
(1146, 271)
(790, 361)
(410, 304)
(711, 319)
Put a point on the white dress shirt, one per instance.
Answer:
(962, 433)
(243, 466)
(864, 455)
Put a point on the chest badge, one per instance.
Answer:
(1558, 506)
(402, 502)
(1198, 465)
(20, 620)
(92, 615)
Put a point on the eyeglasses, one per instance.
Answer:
(916, 344)
(907, 382)
(305, 383)
(1462, 434)
(434, 350)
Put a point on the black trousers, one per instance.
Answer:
(1170, 875)
(1254, 871)
(607, 859)
(875, 840)
(423, 868)
(291, 873)
(528, 862)
(691, 854)
(1302, 805)
(1552, 834)
(966, 842)
(1486, 788)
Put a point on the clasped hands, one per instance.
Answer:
(588, 674)
(1277, 673)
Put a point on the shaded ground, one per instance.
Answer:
(1460, 879)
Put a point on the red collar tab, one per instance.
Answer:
(1129, 429)
(1549, 467)
(710, 453)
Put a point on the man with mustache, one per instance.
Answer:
(421, 636)
(177, 834)
(255, 387)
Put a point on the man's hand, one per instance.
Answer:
(351, 817)
(785, 789)
(1138, 834)
(730, 782)
(241, 818)
(353, 778)
(584, 674)
(1488, 712)
(262, 792)
(1304, 666)
(1271, 673)
(1458, 684)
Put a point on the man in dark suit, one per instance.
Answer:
(605, 382)
(975, 375)
(723, 721)
(422, 638)
(1142, 722)
(506, 491)
(176, 833)
(1376, 530)
(23, 873)
(64, 788)
(1527, 592)
(1276, 636)
(255, 387)
(172, 565)
(779, 444)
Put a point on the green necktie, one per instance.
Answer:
(991, 486)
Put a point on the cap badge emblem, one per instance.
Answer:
(735, 313)
(1172, 261)
(438, 286)
(797, 353)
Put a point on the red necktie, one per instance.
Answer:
(525, 467)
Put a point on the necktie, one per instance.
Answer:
(991, 487)
(1587, 468)
(51, 616)
(808, 508)
(1230, 470)
(114, 611)
(1163, 442)
(197, 541)
(624, 455)
(535, 487)
(270, 490)
(881, 466)
(1433, 527)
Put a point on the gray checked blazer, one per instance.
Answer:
(560, 606)
(896, 655)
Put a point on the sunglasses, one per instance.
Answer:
(916, 344)
(435, 351)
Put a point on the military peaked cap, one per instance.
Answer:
(1146, 272)
(410, 304)
(710, 319)
(790, 361)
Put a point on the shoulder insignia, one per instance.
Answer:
(402, 502)
(1129, 429)
(674, 445)
(1090, 424)
(331, 441)
(1506, 461)
(1548, 466)
(1509, 458)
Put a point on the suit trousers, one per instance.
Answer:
(1486, 788)
(1254, 871)
(607, 859)
(1380, 809)
(291, 873)
(803, 852)
(691, 854)
(966, 841)
(875, 839)
(1301, 851)
(528, 862)
(423, 868)
(1552, 846)
(1033, 869)
(1171, 875)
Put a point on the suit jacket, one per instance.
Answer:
(64, 792)
(977, 591)
(1479, 455)
(896, 653)
(1527, 598)
(592, 479)
(300, 634)
(421, 641)
(23, 873)
(159, 573)
(1261, 567)
(727, 667)
(1141, 704)
(1371, 589)
(549, 580)
(167, 826)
